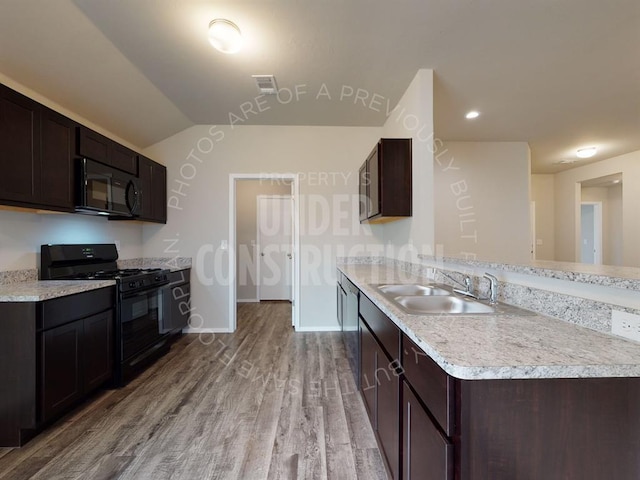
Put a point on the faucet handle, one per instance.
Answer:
(493, 287)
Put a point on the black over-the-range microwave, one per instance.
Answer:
(104, 190)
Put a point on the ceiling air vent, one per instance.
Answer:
(266, 84)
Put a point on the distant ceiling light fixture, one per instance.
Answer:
(565, 161)
(586, 152)
(472, 114)
(225, 36)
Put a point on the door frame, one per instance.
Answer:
(597, 232)
(295, 194)
(261, 196)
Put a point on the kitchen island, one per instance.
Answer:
(494, 396)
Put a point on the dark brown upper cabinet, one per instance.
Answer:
(97, 147)
(385, 184)
(36, 154)
(19, 147)
(57, 172)
(153, 184)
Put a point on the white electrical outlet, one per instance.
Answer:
(625, 324)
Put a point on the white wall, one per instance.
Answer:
(482, 195)
(413, 118)
(543, 193)
(199, 161)
(21, 235)
(567, 194)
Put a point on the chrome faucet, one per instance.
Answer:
(493, 288)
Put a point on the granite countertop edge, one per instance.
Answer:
(490, 368)
(28, 289)
(42, 290)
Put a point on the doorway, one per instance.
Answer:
(274, 246)
(244, 259)
(591, 233)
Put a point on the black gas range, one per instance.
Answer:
(142, 330)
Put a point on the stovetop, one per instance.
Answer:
(95, 262)
(113, 274)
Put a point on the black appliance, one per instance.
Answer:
(141, 333)
(104, 190)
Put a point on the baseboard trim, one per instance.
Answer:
(319, 329)
(248, 300)
(206, 330)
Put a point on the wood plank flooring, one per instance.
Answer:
(261, 403)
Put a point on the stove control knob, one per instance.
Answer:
(132, 284)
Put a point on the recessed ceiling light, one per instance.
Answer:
(472, 114)
(586, 152)
(225, 35)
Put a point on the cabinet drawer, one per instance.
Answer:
(382, 327)
(74, 307)
(434, 387)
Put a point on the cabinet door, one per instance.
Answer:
(97, 147)
(388, 411)
(57, 173)
(19, 146)
(153, 184)
(61, 380)
(363, 183)
(373, 169)
(159, 192)
(427, 455)
(93, 145)
(97, 346)
(123, 158)
(368, 367)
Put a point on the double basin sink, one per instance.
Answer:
(439, 299)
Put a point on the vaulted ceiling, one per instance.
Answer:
(557, 74)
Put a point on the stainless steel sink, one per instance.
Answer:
(396, 290)
(421, 305)
(439, 299)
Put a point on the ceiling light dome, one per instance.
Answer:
(587, 152)
(472, 114)
(225, 35)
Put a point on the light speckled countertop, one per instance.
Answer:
(491, 346)
(38, 291)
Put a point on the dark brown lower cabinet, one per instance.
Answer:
(61, 376)
(97, 350)
(379, 384)
(427, 453)
(76, 359)
(368, 366)
(55, 352)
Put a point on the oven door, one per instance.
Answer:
(141, 320)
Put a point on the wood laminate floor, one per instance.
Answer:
(261, 403)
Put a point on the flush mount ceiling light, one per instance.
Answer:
(225, 35)
(472, 114)
(586, 152)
